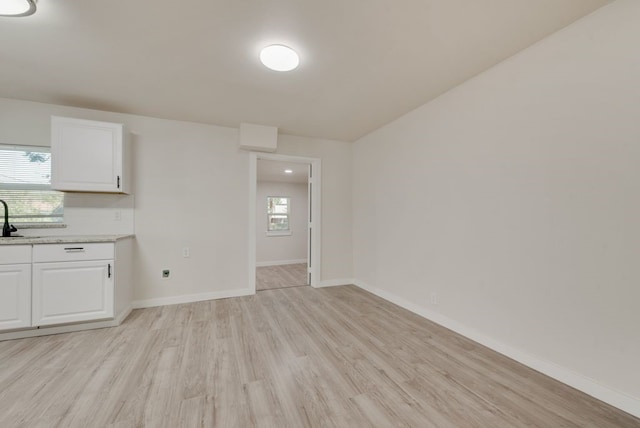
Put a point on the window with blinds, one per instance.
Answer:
(277, 214)
(25, 185)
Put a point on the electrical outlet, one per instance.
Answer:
(186, 252)
(165, 273)
(117, 216)
(434, 298)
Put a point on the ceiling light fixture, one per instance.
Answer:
(288, 171)
(17, 7)
(279, 58)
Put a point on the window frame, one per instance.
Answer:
(279, 232)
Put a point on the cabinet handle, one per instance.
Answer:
(109, 270)
(118, 182)
(74, 249)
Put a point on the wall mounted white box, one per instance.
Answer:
(258, 137)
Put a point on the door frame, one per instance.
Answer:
(315, 186)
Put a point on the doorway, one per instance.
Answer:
(284, 229)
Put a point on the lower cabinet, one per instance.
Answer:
(15, 296)
(15, 287)
(66, 292)
(54, 288)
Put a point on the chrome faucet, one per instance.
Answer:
(7, 228)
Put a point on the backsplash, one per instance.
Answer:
(92, 214)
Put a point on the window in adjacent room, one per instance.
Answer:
(25, 185)
(278, 210)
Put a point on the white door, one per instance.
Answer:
(310, 227)
(15, 296)
(72, 291)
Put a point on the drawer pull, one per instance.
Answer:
(74, 249)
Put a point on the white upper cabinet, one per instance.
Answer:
(89, 156)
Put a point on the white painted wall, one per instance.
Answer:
(278, 249)
(337, 249)
(515, 198)
(191, 189)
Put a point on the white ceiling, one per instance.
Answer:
(363, 63)
(269, 170)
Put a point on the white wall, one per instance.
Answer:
(337, 249)
(515, 198)
(191, 189)
(278, 249)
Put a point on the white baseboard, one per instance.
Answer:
(190, 298)
(280, 262)
(123, 315)
(580, 382)
(335, 282)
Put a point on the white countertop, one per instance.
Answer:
(29, 240)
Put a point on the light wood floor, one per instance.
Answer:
(282, 276)
(292, 357)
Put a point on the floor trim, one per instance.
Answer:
(281, 262)
(335, 282)
(580, 382)
(190, 298)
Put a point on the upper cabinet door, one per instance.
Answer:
(88, 156)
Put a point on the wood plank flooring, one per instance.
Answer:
(296, 357)
(281, 276)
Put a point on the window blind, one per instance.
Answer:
(25, 185)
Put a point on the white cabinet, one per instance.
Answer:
(72, 291)
(15, 287)
(89, 156)
(49, 288)
(72, 283)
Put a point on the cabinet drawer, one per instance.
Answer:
(72, 252)
(14, 254)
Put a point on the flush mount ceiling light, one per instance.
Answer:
(279, 58)
(288, 171)
(17, 7)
